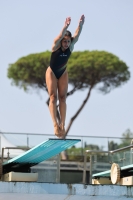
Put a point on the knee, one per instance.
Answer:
(62, 98)
(53, 98)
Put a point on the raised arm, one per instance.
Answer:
(78, 30)
(61, 35)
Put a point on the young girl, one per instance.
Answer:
(56, 74)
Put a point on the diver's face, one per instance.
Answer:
(66, 42)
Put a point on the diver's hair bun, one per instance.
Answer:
(68, 33)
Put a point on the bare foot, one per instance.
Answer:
(62, 130)
(57, 130)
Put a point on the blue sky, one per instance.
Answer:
(29, 26)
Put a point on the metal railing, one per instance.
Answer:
(32, 139)
(91, 153)
(29, 140)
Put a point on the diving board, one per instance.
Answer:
(125, 171)
(37, 154)
(116, 175)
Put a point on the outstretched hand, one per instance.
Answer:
(68, 21)
(82, 20)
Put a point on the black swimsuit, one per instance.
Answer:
(58, 61)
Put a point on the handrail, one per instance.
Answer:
(121, 149)
(50, 134)
(111, 152)
(96, 151)
(22, 148)
(99, 152)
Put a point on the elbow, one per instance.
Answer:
(75, 39)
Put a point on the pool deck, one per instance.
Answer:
(52, 191)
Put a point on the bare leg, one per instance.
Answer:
(51, 82)
(62, 92)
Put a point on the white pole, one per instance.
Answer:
(0, 143)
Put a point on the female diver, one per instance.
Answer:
(56, 73)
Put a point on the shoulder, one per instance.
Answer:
(71, 47)
(54, 49)
(56, 44)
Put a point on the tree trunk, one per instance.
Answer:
(79, 110)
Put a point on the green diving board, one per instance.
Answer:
(102, 174)
(125, 171)
(37, 154)
(127, 167)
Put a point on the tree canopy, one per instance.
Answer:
(86, 69)
(30, 70)
(89, 68)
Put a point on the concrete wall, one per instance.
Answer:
(51, 191)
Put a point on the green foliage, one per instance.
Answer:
(86, 68)
(30, 70)
(75, 154)
(92, 147)
(113, 145)
(91, 67)
(127, 138)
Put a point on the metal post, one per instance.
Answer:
(84, 171)
(90, 181)
(27, 141)
(0, 143)
(131, 153)
(2, 159)
(58, 169)
(8, 155)
(82, 146)
(108, 143)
